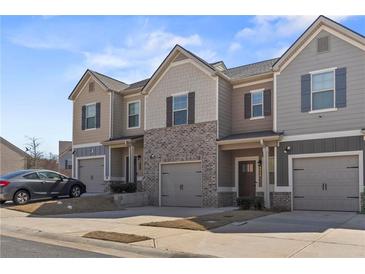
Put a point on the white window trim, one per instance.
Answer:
(262, 104)
(187, 107)
(333, 70)
(87, 105)
(139, 114)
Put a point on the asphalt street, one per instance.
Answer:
(17, 248)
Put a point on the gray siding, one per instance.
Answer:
(225, 167)
(224, 108)
(314, 146)
(93, 151)
(341, 54)
(239, 123)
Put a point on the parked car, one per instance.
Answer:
(25, 185)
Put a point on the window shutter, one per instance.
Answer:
(191, 108)
(83, 117)
(306, 93)
(247, 105)
(169, 111)
(97, 115)
(267, 102)
(340, 87)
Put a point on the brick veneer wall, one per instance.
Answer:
(182, 143)
(281, 201)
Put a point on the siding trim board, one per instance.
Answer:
(323, 135)
(291, 157)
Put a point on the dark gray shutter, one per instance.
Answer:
(267, 102)
(169, 111)
(97, 115)
(247, 105)
(191, 108)
(83, 117)
(340, 87)
(306, 93)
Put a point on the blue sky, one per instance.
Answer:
(43, 57)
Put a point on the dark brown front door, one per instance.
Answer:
(247, 178)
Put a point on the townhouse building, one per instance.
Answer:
(290, 129)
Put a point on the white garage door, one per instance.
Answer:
(181, 184)
(91, 173)
(326, 183)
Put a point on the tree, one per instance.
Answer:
(32, 147)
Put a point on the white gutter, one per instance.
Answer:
(249, 140)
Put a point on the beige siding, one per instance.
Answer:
(341, 54)
(10, 160)
(239, 123)
(117, 115)
(224, 107)
(85, 97)
(178, 79)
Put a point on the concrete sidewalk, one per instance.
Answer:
(290, 234)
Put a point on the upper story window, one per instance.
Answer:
(90, 116)
(323, 90)
(134, 114)
(180, 109)
(257, 104)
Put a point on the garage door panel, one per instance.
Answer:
(326, 183)
(91, 173)
(181, 184)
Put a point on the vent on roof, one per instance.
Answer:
(91, 86)
(323, 44)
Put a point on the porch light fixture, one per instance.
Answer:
(287, 149)
(152, 156)
(259, 163)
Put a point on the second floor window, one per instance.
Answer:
(90, 116)
(323, 90)
(133, 114)
(180, 109)
(257, 104)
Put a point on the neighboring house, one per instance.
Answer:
(289, 129)
(65, 157)
(12, 158)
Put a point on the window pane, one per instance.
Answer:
(32, 176)
(180, 102)
(322, 81)
(133, 121)
(180, 117)
(257, 98)
(257, 111)
(90, 122)
(133, 108)
(90, 111)
(322, 100)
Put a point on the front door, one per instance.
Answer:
(247, 178)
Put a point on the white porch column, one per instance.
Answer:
(131, 163)
(266, 175)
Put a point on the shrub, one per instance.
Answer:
(259, 202)
(117, 187)
(245, 202)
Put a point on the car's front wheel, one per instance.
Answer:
(75, 191)
(21, 197)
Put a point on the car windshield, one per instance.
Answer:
(13, 174)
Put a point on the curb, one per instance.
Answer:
(99, 246)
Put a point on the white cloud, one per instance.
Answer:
(234, 46)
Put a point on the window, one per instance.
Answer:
(257, 104)
(31, 176)
(323, 90)
(180, 109)
(49, 175)
(68, 164)
(133, 114)
(90, 116)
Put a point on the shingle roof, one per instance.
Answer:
(138, 84)
(250, 69)
(109, 82)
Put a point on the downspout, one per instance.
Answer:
(265, 173)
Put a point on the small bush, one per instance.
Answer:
(245, 202)
(251, 202)
(123, 187)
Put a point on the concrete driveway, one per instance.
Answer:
(287, 234)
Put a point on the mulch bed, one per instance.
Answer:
(211, 221)
(116, 237)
